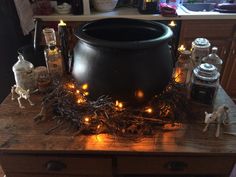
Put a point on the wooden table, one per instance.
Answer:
(26, 151)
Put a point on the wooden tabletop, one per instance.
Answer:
(20, 134)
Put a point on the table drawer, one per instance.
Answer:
(43, 175)
(174, 165)
(58, 165)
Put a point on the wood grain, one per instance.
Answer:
(25, 149)
(19, 133)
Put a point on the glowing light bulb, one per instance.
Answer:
(86, 93)
(85, 86)
(119, 104)
(80, 100)
(139, 94)
(71, 85)
(87, 120)
(149, 110)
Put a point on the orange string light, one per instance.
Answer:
(149, 110)
(85, 86)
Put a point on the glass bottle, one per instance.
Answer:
(214, 59)
(53, 55)
(183, 68)
(24, 74)
(204, 84)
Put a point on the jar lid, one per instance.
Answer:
(201, 43)
(206, 72)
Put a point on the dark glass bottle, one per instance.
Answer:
(77, 7)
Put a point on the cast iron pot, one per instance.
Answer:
(126, 59)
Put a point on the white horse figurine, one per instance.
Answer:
(219, 116)
(22, 94)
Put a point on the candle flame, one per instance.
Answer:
(172, 24)
(181, 48)
(62, 23)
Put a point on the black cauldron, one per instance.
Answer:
(126, 59)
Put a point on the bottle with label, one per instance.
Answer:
(24, 74)
(183, 68)
(53, 55)
(214, 59)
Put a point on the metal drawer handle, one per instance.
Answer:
(176, 165)
(55, 166)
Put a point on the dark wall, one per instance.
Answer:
(11, 38)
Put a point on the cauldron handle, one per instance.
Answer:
(37, 33)
(173, 56)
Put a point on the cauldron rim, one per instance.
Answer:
(165, 37)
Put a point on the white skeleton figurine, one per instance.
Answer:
(219, 116)
(22, 94)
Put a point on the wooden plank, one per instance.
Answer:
(18, 133)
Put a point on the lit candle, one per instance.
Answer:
(181, 48)
(63, 35)
(172, 24)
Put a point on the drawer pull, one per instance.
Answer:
(55, 166)
(176, 166)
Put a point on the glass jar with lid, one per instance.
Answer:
(204, 84)
(214, 59)
(200, 49)
(24, 74)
